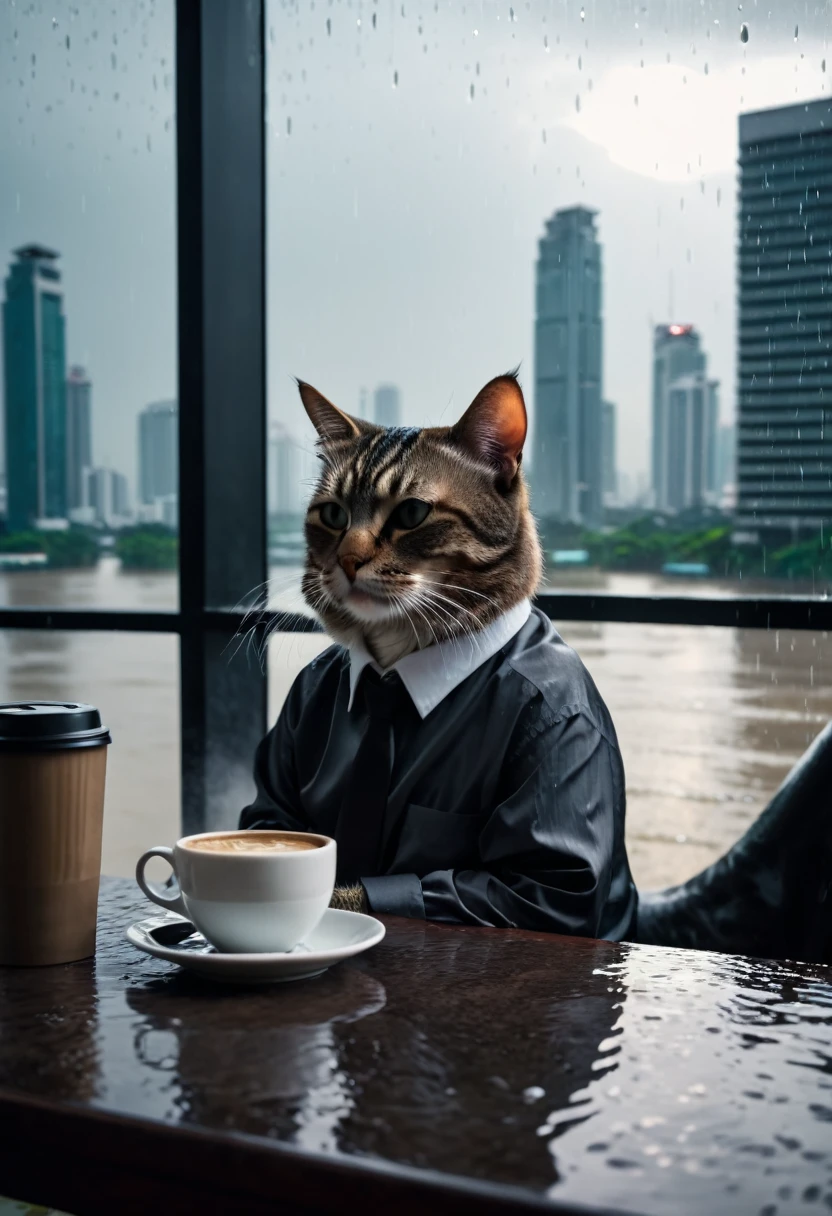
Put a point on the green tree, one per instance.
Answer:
(148, 547)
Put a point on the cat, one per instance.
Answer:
(418, 535)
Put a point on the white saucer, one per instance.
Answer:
(339, 935)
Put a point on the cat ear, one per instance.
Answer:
(330, 422)
(493, 428)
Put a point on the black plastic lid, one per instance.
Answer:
(34, 726)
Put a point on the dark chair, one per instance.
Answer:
(770, 896)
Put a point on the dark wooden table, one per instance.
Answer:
(449, 1069)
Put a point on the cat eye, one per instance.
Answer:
(410, 513)
(333, 516)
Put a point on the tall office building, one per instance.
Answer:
(387, 406)
(105, 497)
(685, 421)
(567, 467)
(78, 434)
(784, 440)
(158, 452)
(726, 456)
(609, 468)
(34, 347)
(293, 469)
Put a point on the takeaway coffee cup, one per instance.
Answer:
(53, 760)
(249, 892)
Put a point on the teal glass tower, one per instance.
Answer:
(34, 347)
(567, 473)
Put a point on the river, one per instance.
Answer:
(709, 720)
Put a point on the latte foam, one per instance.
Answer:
(254, 842)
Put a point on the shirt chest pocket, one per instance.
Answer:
(436, 840)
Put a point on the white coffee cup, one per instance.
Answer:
(248, 892)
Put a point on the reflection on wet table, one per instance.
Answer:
(647, 1080)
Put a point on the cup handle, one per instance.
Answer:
(174, 903)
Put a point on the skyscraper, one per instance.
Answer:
(609, 465)
(784, 440)
(158, 451)
(35, 388)
(685, 420)
(78, 434)
(566, 469)
(293, 469)
(387, 405)
(105, 495)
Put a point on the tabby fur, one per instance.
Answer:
(475, 555)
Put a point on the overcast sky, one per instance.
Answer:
(413, 160)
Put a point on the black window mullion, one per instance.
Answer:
(222, 394)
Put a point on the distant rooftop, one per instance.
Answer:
(783, 121)
(675, 330)
(161, 407)
(569, 220)
(39, 253)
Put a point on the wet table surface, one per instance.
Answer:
(585, 1073)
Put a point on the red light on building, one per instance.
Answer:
(676, 330)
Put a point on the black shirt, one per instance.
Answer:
(506, 805)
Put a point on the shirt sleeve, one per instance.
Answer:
(546, 850)
(277, 804)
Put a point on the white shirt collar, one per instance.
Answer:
(430, 674)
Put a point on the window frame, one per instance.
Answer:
(221, 209)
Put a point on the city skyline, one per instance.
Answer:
(381, 280)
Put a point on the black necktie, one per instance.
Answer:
(361, 820)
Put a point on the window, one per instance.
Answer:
(628, 200)
(136, 686)
(438, 187)
(88, 264)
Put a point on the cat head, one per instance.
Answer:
(417, 535)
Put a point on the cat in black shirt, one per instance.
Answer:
(450, 741)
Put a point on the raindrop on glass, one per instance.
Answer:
(583, 15)
(635, 99)
(546, 42)
(329, 25)
(395, 80)
(54, 23)
(578, 103)
(288, 126)
(374, 20)
(795, 33)
(471, 92)
(743, 32)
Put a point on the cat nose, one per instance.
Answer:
(350, 563)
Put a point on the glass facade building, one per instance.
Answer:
(784, 442)
(387, 405)
(78, 434)
(566, 462)
(685, 421)
(158, 452)
(34, 346)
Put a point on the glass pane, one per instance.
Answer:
(133, 679)
(88, 264)
(709, 722)
(591, 192)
